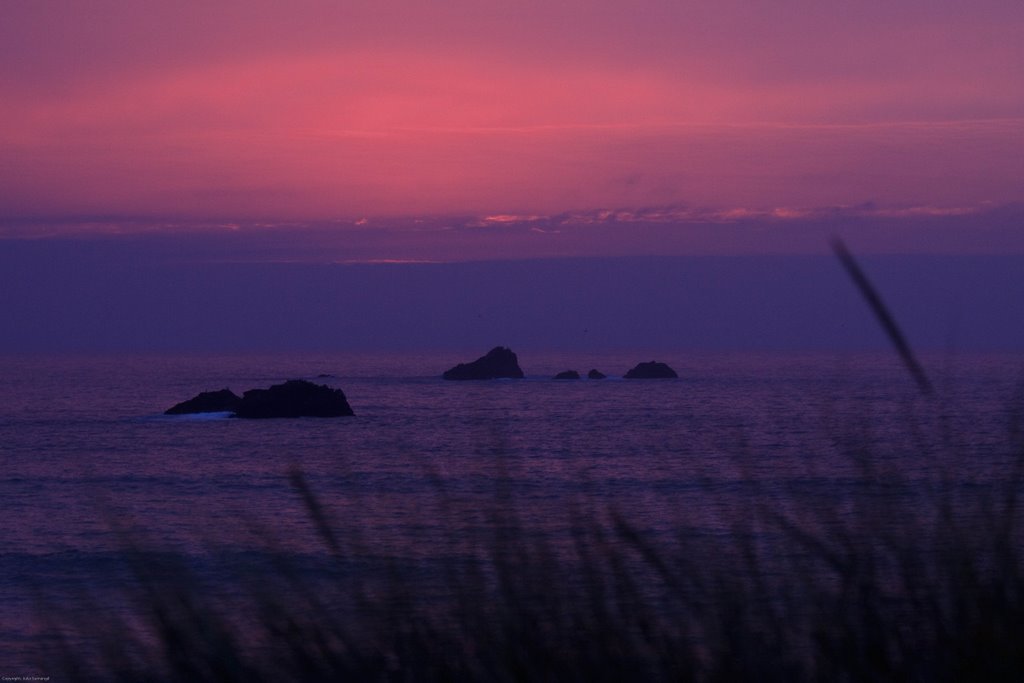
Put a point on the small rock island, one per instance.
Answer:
(568, 374)
(595, 374)
(223, 401)
(294, 398)
(499, 362)
(651, 370)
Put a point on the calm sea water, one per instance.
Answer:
(90, 461)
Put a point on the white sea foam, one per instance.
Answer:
(202, 417)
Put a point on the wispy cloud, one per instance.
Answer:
(384, 261)
(655, 230)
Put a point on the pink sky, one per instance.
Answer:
(252, 146)
(340, 110)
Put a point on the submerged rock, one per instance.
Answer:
(499, 362)
(223, 401)
(651, 370)
(568, 374)
(596, 374)
(294, 398)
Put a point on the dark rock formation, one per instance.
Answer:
(595, 374)
(499, 362)
(294, 398)
(651, 370)
(568, 374)
(223, 401)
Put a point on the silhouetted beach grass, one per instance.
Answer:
(895, 581)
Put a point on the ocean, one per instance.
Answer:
(92, 467)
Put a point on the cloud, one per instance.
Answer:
(656, 230)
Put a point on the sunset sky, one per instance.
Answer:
(469, 130)
(343, 110)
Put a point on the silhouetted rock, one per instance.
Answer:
(596, 374)
(499, 362)
(568, 374)
(294, 398)
(651, 370)
(223, 401)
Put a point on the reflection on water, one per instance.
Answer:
(90, 461)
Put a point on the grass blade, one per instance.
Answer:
(888, 323)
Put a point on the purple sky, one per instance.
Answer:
(155, 292)
(154, 140)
